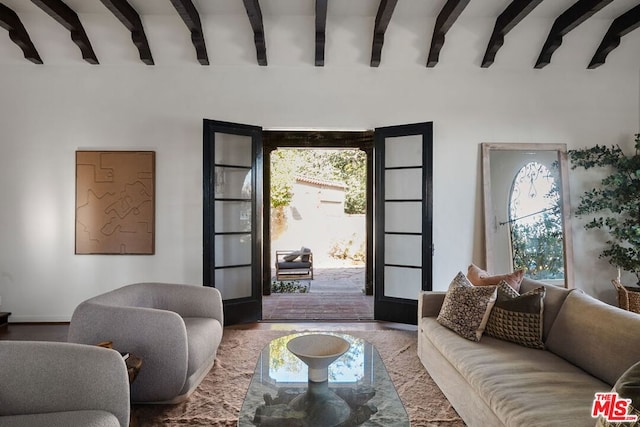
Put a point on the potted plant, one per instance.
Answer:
(614, 205)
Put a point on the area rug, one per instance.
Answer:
(218, 399)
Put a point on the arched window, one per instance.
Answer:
(535, 222)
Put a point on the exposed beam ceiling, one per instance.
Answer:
(255, 18)
(385, 11)
(69, 19)
(414, 17)
(9, 21)
(509, 18)
(130, 18)
(321, 27)
(448, 15)
(570, 19)
(191, 18)
(621, 26)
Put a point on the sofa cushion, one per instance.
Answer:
(294, 265)
(466, 308)
(306, 254)
(517, 318)
(553, 299)
(480, 277)
(87, 418)
(203, 336)
(588, 331)
(523, 387)
(292, 256)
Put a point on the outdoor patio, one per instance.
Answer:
(335, 293)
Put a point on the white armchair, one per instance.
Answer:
(175, 329)
(62, 384)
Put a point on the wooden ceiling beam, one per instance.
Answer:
(69, 19)
(447, 16)
(620, 26)
(10, 21)
(385, 11)
(509, 18)
(131, 20)
(321, 28)
(191, 18)
(255, 19)
(567, 21)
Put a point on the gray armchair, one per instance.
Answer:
(175, 329)
(61, 384)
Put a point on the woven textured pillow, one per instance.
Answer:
(517, 318)
(466, 308)
(479, 277)
(627, 387)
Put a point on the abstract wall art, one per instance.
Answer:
(115, 202)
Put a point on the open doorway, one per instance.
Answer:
(318, 231)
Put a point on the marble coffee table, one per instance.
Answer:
(358, 377)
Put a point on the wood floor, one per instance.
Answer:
(58, 331)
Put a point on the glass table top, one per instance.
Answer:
(358, 378)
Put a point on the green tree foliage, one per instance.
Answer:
(347, 166)
(614, 206)
(282, 175)
(538, 247)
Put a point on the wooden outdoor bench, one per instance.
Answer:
(294, 264)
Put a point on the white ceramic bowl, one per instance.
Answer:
(318, 351)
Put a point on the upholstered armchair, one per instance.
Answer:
(62, 384)
(175, 329)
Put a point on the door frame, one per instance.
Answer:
(357, 140)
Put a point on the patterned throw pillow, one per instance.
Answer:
(466, 308)
(479, 277)
(627, 387)
(517, 318)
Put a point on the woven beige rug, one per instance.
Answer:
(218, 399)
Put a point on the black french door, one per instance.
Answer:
(403, 217)
(232, 222)
(233, 247)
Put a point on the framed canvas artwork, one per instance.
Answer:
(115, 202)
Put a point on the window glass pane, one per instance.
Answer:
(232, 149)
(403, 184)
(403, 217)
(535, 222)
(232, 183)
(232, 250)
(234, 282)
(403, 250)
(403, 151)
(402, 282)
(232, 216)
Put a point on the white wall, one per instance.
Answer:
(47, 112)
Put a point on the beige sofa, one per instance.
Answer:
(588, 345)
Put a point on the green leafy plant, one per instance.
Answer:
(288, 287)
(615, 203)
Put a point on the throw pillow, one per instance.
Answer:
(292, 256)
(466, 308)
(306, 254)
(517, 318)
(627, 387)
(479, 277)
